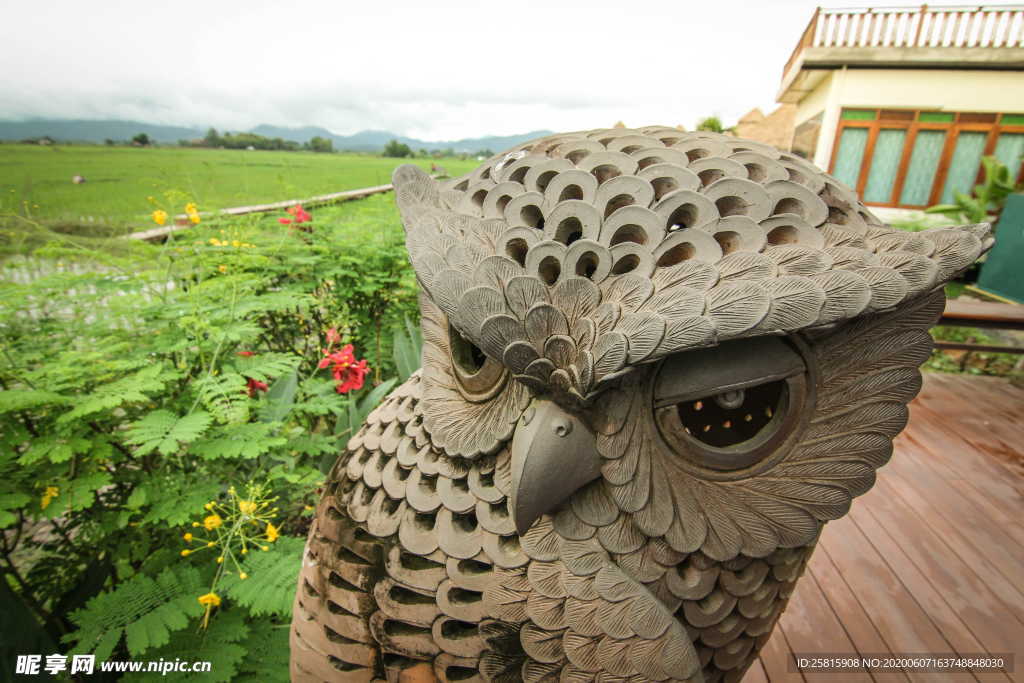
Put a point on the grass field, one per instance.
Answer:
(37, 180)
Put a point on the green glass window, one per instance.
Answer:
(935, 117)
(963, 168)
(850, 155)
(885, 163)
(924, 161)
(859, 115)
(1009, 150)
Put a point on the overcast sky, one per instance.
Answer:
(434, 70)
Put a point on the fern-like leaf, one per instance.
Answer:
(266, 653)
(225, 396)
(270, 587)
(174, 500)
(133, 388)
(249, 440)
(145, 610)
(222, 644)
(163, 431)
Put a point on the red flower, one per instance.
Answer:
(346, 370)
(300, 216)
(246, 354)
(254, 385)
(332, 336)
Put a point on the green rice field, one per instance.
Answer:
(124, 185)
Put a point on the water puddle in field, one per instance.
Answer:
(102, 291)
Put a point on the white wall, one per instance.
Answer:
(938, 90)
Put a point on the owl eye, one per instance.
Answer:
(478, 376)
(732, 406)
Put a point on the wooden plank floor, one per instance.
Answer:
(932, 558)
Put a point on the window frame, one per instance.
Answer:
(952, 129)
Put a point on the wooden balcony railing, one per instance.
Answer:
(986, 26)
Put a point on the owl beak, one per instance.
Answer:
(554, 454)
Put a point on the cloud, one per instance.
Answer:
(436, 71)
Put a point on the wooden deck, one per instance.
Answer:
(932, 558)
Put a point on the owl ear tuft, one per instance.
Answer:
(415, 192)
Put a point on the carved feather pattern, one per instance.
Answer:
(736, 238)
(572, 263)
(867, 372)
(404, 542)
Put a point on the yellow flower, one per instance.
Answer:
(194, 217)
(49, 494)
(220, 559)
(186, 552)
(222, 268)
(212, 522)
(272, 532)
(264, 548)
(236, 243)
(214, 241)
(243, 575)
(188, 537)
(159, 217)
(209, 600)
(247, 506)
(190, 208)
(210, 544)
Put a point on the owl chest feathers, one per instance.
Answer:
(413, 557)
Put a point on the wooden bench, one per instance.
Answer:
(984, 314)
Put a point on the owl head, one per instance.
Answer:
(678, 335)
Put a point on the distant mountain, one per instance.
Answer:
(374, 140)
(74, 130)
(77, 130)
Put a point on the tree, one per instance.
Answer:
(711, 123)
(319, 144)
(397, 149)
(212, 138)
(141, 139)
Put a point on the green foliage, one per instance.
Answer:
(320, 144)
(408, 343)
(987, 197)
(394, 148)
(143, 609)
(270, 588)
(969, 362)
(141, 139)
(169, 378)
(225, 644)
(710, 123)
(35, 184)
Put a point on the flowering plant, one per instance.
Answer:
(122, 417)
(299, 215)
(346, 370)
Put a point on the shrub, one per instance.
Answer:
(394, 148)
(988, 196)
(164, 412)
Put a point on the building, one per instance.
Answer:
(902, 103)
(775, 129)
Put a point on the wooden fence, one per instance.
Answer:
(161, 233)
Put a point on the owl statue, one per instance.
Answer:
(655, 364)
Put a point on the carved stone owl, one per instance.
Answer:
(655, 364)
